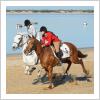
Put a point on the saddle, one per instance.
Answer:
(64, 51)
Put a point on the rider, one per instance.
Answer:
(48, 38)
(30, 28)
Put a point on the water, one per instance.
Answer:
(75, 28)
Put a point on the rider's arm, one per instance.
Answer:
(48, 40)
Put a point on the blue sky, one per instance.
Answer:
(49, 7)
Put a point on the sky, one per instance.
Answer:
(50, 7)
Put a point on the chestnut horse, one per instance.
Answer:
(48, 60)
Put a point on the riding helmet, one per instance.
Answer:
(27, 22)
(43, 28)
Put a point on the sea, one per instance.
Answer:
(75, 28)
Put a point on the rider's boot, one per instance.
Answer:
(59, 55)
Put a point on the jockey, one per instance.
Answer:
(48, 38)
(30, 28)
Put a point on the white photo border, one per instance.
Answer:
(4, 4)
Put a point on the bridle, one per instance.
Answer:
(20, 41)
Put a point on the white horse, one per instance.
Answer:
(20, 40)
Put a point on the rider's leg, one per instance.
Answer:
(57, 48)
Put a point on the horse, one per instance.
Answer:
(20, 41)
(48, 59)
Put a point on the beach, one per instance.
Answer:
(19, 83)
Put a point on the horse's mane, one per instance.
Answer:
(37, 44)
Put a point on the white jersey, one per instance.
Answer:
(31, 30)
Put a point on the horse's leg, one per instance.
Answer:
(49, 72)
(26, 70)
(80, 61)
(69, 65)
(31, 69)
(83, 67)
(39, 72)
(39, 75)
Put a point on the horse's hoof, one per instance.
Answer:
(87, 73)
(50, 87)
(25, 72)
(66, 73)
(29, 73)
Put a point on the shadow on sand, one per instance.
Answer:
(59, 79)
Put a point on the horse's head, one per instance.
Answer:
(17, 41)
(30, 46)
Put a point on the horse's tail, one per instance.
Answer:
(81, 55)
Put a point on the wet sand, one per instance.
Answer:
(19, 83)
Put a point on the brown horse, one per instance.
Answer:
(48, 60)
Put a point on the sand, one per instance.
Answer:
(19, 83)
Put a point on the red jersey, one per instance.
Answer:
(49, 38)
